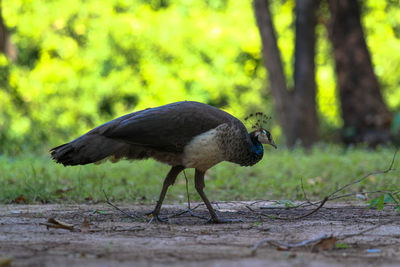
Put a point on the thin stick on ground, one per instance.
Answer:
(308, 214)
(257, 212)
(325, 237)
(367, 230)
(304, 191)
(390, 168)
(133, 216)
(366, 192)
(294, 218)
(286, 246)
(303, 204)
(305, 194)
(331, 196)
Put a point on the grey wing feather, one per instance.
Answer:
(166, 128)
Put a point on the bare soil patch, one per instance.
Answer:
(113, 239)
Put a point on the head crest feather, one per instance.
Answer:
(256, 120)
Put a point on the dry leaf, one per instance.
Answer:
(65, 190)
(5, 262)
(54, 223)
(324, 244)
(282, 248)
(85, 227)
(20, 200)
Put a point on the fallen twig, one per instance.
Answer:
(133, 216)
(257, 212)
(286, 246)
(288, 218)
(324, 242)
(329, 197)
(367, 230)
(356, 193)
(305, 194)
(390, 168)
(54, 223)
(303, 204)
(190, 211)
(305, 215)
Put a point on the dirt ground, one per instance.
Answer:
(112, 239)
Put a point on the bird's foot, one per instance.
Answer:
(191, 212)
(153, 215)
(222, 220)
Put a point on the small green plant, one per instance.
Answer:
(286, 203)
(341, 246)
(386, 198)
(254, 224)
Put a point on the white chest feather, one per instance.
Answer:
(203, 151)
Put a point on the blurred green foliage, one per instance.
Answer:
(81, 63)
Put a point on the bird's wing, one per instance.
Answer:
(165, 128)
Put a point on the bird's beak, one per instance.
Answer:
(272, 143)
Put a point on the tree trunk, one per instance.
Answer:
(6, 46)
(3, 33)
(296, 109)
(273, 63)
(304, 116)
(365, 115)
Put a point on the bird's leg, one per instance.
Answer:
(169, 180)
(188, 209)
(199, 184)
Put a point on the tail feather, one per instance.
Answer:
(86, 149)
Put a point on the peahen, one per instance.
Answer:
(184, 134)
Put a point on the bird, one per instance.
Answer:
(185, 134)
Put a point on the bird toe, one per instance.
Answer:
(155, 216)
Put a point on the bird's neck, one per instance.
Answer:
(257, 147)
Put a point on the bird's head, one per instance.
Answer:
(257, 121)
(264, 137)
